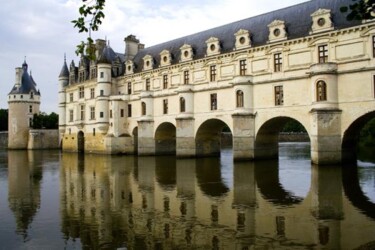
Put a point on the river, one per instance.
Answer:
(54, 200)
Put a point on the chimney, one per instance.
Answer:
(19, 72)
(99, 46)
(132, 46)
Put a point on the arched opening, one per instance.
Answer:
(143, 107)
(239, 99)
(135, 140)
(182, 104)
(81, 142)
(211, 137)
(165, 139)
(358, 142)
(275, 130)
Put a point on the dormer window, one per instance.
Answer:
(129, 67)
(242, 39)
(277, 31)
(165, 58)
(186, 53)
(321, 21)
(148, 62)
(213, 46)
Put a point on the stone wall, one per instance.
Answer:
(3, 140)
(43, 139)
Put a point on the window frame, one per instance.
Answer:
(321, 91)
(186, 77)
(213, 73)
(92, 113)
(323, 53)
(165, 81)
(182, 104)
(279, 95)
(277, 62)
(213, 101)
(239, 99)
(243, 67)
(148, 84)
(165, 106)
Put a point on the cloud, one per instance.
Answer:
(42, 31)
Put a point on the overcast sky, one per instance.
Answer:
(41, 31)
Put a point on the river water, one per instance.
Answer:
(53, 200)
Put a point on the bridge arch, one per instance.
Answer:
(208, 137)
(351, 137)
(267, 137)
(165, 139)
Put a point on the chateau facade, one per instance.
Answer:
(305, 63)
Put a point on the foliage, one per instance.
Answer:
(93, 11)
(43, 120)
(360, 10)
(3, 120)
(293, 126)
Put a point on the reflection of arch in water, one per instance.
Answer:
(267, 138)
(354, 192)
(351, 137)
(81, 142)
(267, 180)
(165, 139)
(209, 177)
(166, 172)
(208, 137)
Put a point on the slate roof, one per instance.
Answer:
(27, 83)
(64, 70)
(297, 22)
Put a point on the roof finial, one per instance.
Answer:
(65, 57)
(24, 60)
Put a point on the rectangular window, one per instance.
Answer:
(101, 92)
(82, 112)
(92, 93)
(110, 113)
(122, 112)
(129, 88)
(81, 92)
(30, 109)
(165, 106)
(277, 62)
(70, 115)
(101, 74)
(101, 114)
(92, 113)
(165, 81)
(93, 73)
(71, 97)
(81, 76)
(213, 101)
(242, 67)
(129, 110)
(279, 95)
(323, 53)
(373, 46)
(186, 77)
(148, 84)
(213, 73)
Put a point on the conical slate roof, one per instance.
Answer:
(27, 85)
(64, 70)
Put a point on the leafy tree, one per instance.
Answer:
(293, 126)
(360, 10)
(3, 120)
(90, 18)
(43, 120)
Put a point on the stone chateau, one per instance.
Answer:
(305, 63)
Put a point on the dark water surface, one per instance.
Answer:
(50, 200)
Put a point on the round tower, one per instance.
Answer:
(103, 90)
(23, 103)
(63, 82)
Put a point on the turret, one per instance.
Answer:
(63, 82)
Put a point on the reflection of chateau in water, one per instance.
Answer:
(24, 187)
(164, 203)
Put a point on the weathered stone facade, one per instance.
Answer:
(251, 76)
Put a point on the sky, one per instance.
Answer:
(41, 31)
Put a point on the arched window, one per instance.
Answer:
(143, 108)
(321, 91)
(182, 104)
(239, 99)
